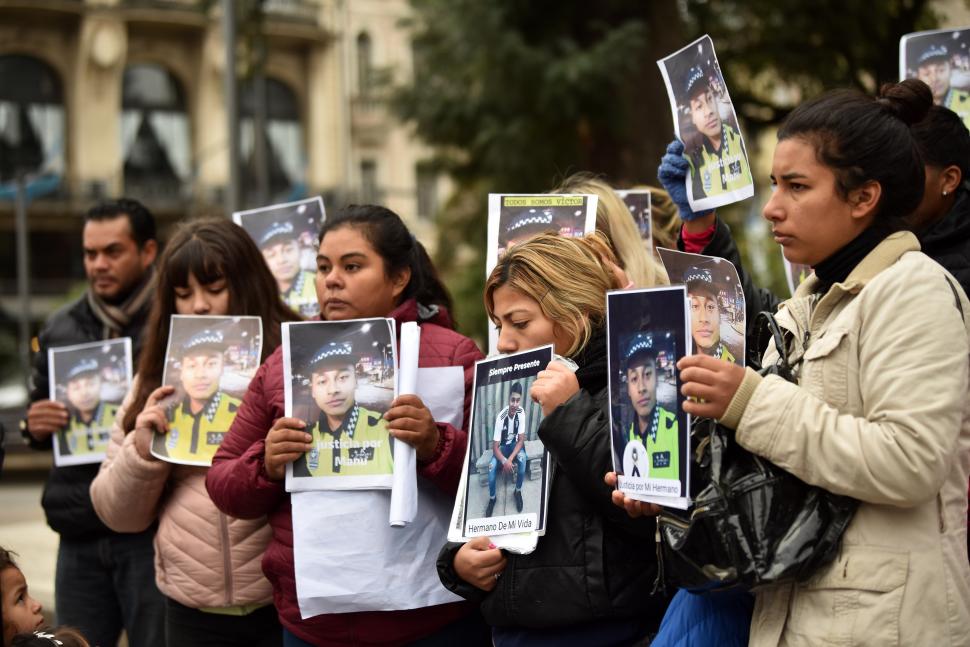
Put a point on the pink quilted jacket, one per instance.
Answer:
(203, 558)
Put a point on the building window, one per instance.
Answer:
(283, 140)
(426, 183)
(365, 65)
(155, 142)
(31, 120)
(369, 193)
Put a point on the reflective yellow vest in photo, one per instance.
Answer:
(302, 295)
(663, 450)
(364, 451)
(718, 171)
(196, 437)
(81, 438)
(959, 102)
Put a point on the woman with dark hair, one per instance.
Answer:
(880, 411)
(368, 265)
(207, 564)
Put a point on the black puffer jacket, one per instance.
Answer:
(594, 562)
(66, 500)
(948, 241)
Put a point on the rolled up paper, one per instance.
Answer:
(404, 491)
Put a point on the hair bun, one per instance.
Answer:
(907, 100)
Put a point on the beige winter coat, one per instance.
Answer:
(203, 558)
(882, 414)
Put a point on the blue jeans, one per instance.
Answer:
(493, 468)
(103, 585)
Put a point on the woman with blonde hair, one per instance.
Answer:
(590, 578)
(614, 222)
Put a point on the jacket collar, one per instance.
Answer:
(884, 255)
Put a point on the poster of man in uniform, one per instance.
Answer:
(91, 380)
(647, 332)
(507, 477)
(795, 274)
(705, 120)
(210, 361)
(717, 313)
(941, 60)
(287, 236)
(514, 218)
(340, 377)
(639, 204)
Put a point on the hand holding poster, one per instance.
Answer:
(940, 59)
(717, 312)
(209, 362)
(339, 377)
(646, 334)
(90, 380)
(286, 234)
(506, 479)
(705, 120)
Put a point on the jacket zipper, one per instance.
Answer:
(226, 558)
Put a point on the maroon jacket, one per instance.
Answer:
(239, 487)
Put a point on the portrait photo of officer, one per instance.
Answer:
(941, 60)
(348, 438)
(209, 362)
(286, 234)
(706, 122)
(90, 380)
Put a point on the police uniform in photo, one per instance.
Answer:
(661, 438)
(701, 279)
(716, 171)
(196, 436)
(91, 437)
(360, 446)
(956, 100)
(302, 293)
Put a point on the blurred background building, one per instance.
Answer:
(102, 98)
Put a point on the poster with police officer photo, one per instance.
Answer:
(210, 361)
(940, 59)
(716, 300)
(638, 201)
(795, 274)
(91, 380)
(705, 120)
(647, 332)
(507, 476)
(287, 236)
(340, 377)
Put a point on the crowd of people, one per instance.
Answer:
(192, 556)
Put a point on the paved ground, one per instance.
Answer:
(504, 500)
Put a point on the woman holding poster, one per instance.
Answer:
(207, 563)
(368, 265)
(590, 579)
(880, 411)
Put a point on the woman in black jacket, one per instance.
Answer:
(590, 578)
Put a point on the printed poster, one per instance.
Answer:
(940, 59)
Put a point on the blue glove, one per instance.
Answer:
(672, 174)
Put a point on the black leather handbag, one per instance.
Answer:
(751, 522)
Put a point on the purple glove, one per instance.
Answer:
(672, 174)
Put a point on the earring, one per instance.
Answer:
(944, 193)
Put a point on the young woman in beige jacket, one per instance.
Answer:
(207, 564)
(880, 412)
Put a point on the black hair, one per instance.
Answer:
(140, 219)
(943, 139)
(390, 238)
(516, 388)
(862, 138)
(6, 561)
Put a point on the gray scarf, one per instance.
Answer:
(116, 317)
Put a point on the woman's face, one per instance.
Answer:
(522, 325)
(351, 281)
(808, 217)
(198, 299)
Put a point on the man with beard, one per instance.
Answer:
(104, 581)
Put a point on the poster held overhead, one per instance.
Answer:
(209, 361)
(91, 380)
(647, 332)
(941, 59)
(286, 234)
(705, 120)
(340, 377)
